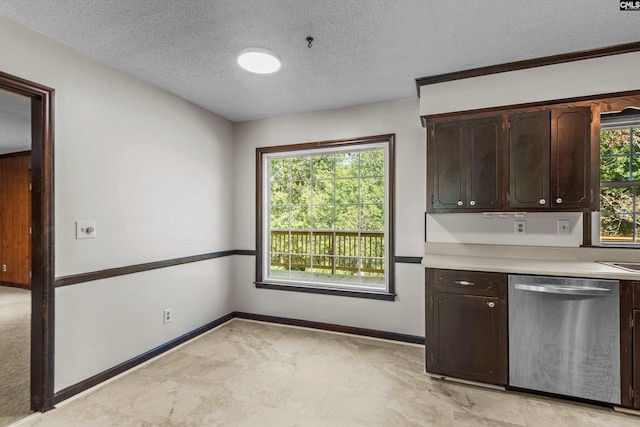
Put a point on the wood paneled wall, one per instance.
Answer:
(15, 219)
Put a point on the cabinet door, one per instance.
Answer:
(530, 148)
(447, 162)
(636, 357)
(484, 178)
(465, 337)
(570, 153)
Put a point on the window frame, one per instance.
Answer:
(630, 124)
(262, 153)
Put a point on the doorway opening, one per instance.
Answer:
(15, 256)
(39, 276)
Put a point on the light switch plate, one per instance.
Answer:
(85, 229)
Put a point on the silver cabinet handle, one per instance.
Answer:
(491, 304)
(464, 283)
(460, 203)
(542, 201)
(559, 200)
(472, 202)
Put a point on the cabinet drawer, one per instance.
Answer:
(467, 282)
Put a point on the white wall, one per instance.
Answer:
(100, 324)
(154, 172)
(406, 314)
(475, 228)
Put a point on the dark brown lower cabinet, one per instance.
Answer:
(466, 325)
(630, 343)
(636, 356)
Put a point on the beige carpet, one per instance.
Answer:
(15, 344)
(252, 374)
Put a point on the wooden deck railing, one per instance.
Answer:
(330, 251)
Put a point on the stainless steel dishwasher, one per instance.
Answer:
(564, 336)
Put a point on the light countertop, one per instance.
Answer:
(568, 262)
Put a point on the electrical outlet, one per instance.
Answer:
(564, 226)
(167, 315)
(521, 226)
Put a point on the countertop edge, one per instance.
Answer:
(584, 269)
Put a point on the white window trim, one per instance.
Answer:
(596, 236)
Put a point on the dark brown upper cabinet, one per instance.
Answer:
(530, 152)
(549, 159)
(484, 185)
(446, 157)
(543, 162)
(570, 155)
(464, 165)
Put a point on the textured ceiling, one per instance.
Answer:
(364, 50)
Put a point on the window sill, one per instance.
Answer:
(384, 296)
(614, 246)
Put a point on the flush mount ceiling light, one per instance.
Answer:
(259, 60)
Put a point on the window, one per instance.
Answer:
(620, 178)
(325, 220)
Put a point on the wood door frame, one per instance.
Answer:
(42, 242)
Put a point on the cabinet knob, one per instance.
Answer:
(559, 200)
(460, 203)
(491, 304)
(542, 201)
(472, 202)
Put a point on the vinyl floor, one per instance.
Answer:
(255, 374)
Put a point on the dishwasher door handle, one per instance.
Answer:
(566, 290)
